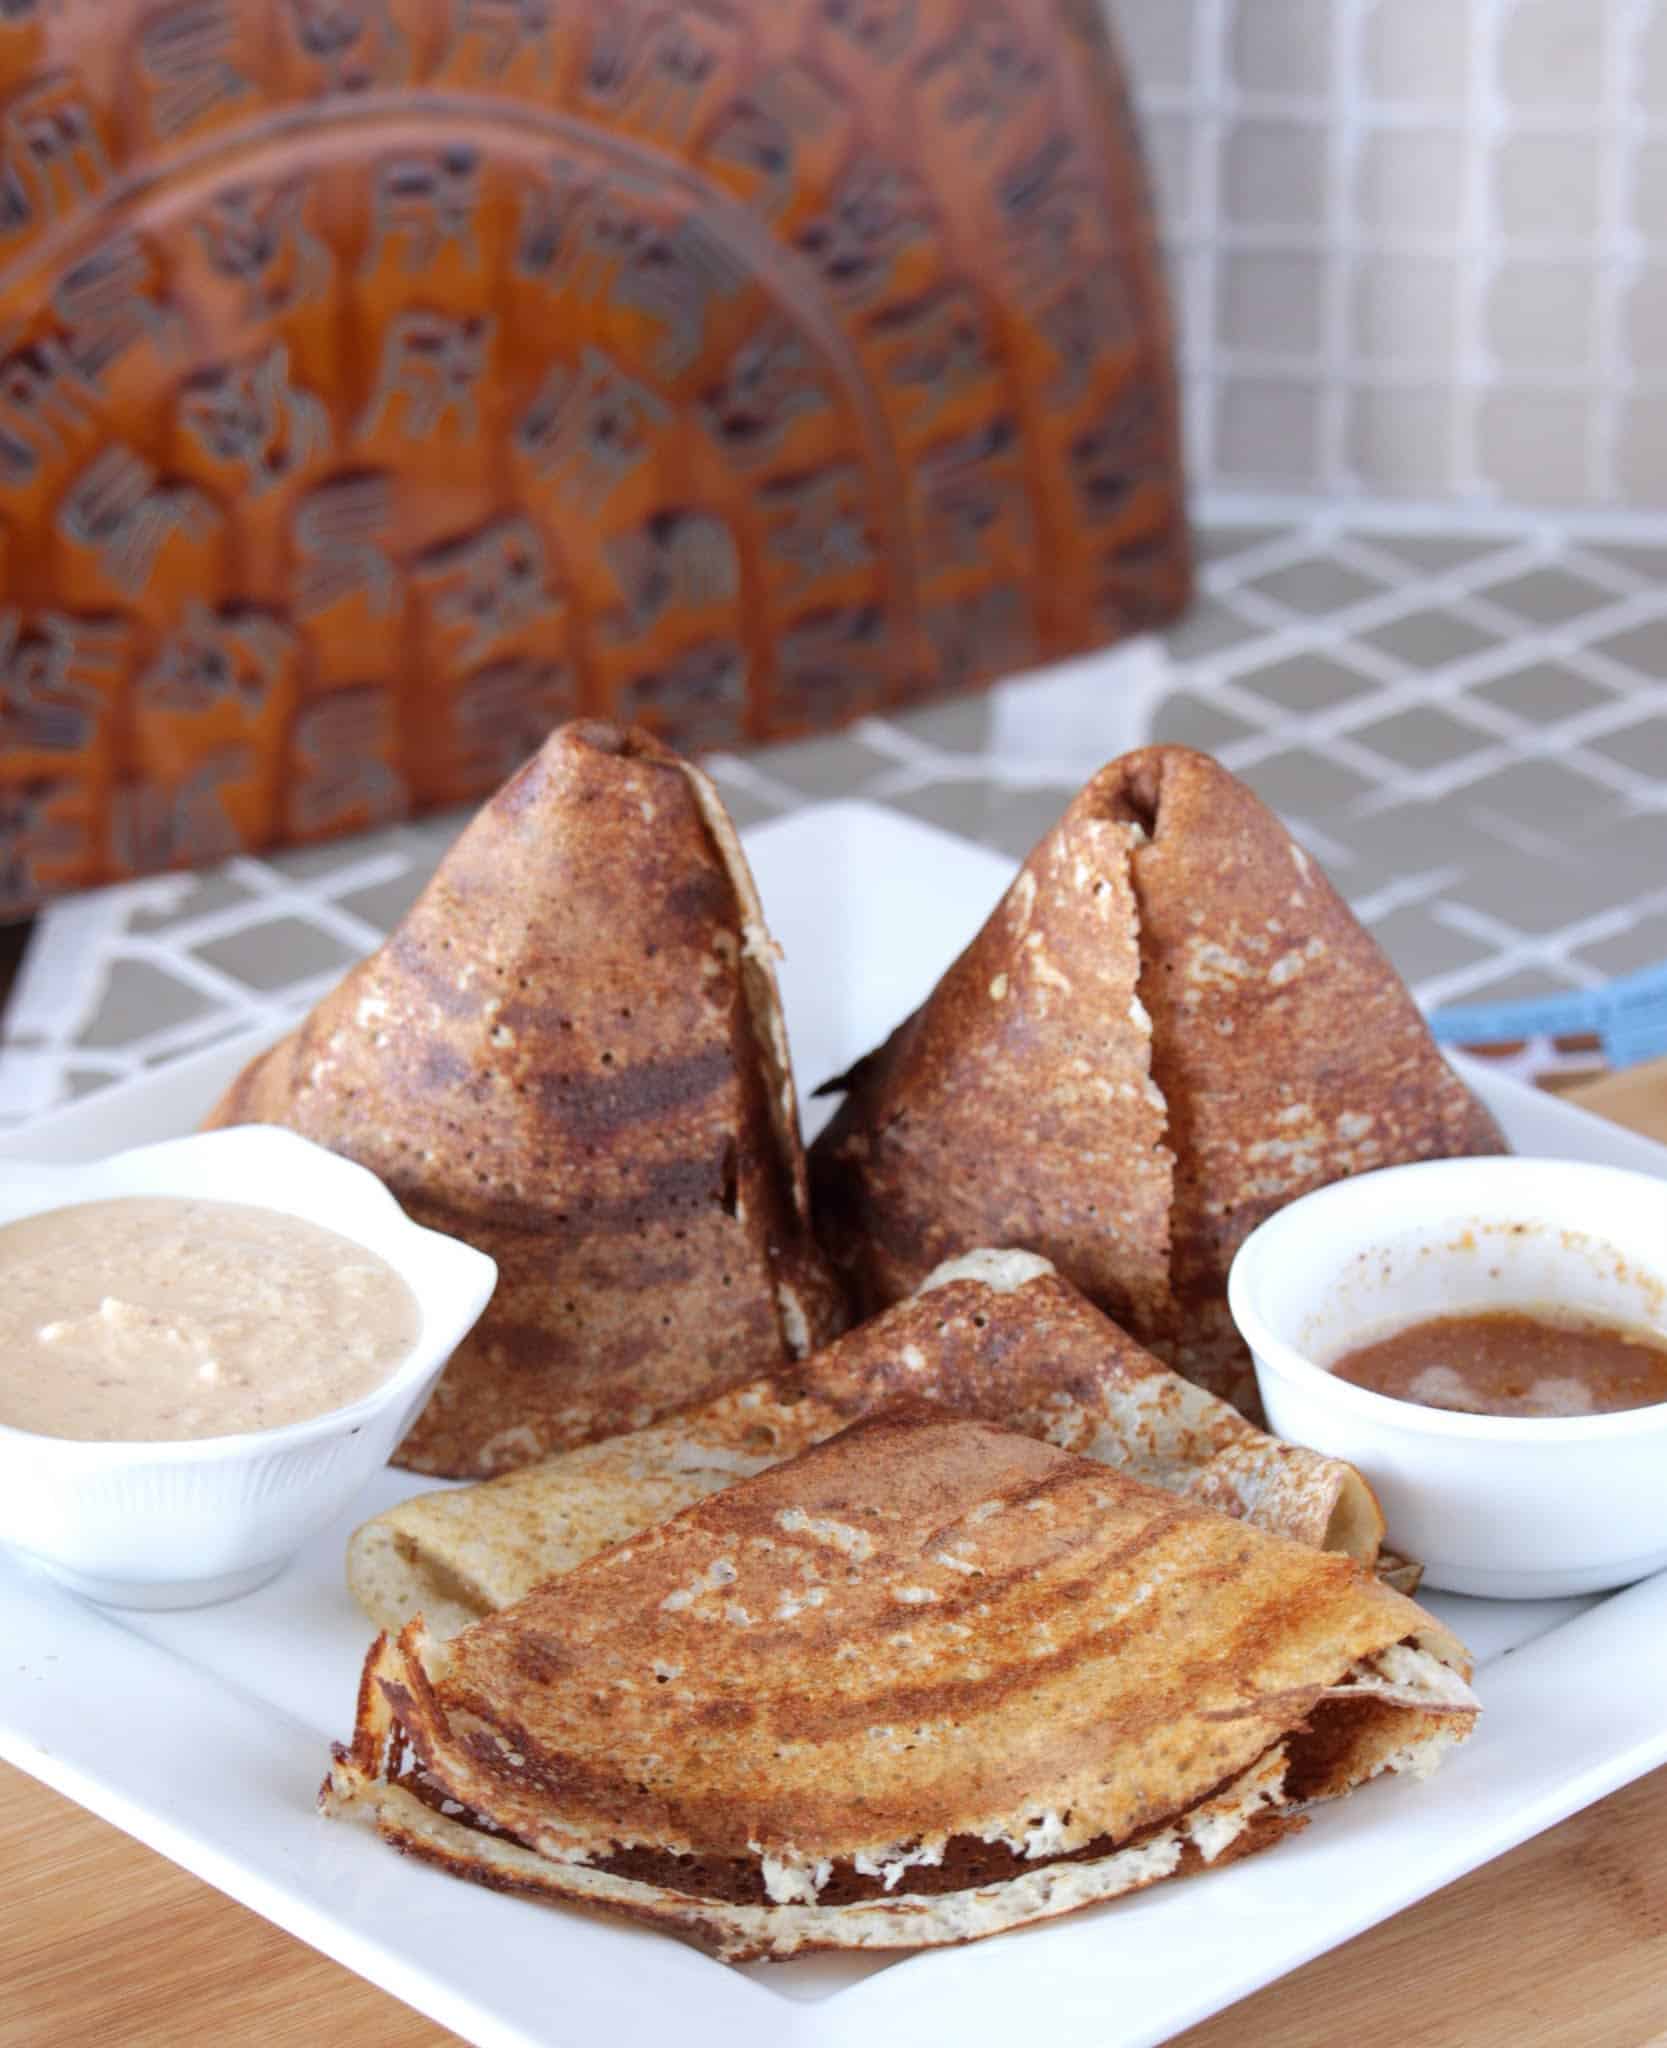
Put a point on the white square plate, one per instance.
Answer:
(206, 1734)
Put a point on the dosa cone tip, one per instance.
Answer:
(571, 1053)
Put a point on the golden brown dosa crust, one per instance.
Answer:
(571, 1054)
(1035, 1355)
(1016, 1107)
(920, 1640)
(1022, 1349)
(961, 1621)
(1285, 1044)
(1170, 1026)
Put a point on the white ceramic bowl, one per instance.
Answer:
(183, 1524)
(1506, 1507)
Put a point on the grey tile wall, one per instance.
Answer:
(1419, 247)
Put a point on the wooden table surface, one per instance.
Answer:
(1561, 1944)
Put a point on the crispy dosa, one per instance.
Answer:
(997, 1335)
(572, 1054)
(925, 1682)
(1170, 1027)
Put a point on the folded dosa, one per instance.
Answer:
(927, 1681)
(998, 1335)
(572, 1054)
(1169, 1027)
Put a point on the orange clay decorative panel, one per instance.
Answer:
(383, 381)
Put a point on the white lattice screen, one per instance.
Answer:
(1419, 246)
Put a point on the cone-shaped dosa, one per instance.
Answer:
(572, 1054)
(1169, 1027)
(925, 1682)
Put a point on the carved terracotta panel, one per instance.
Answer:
(382, 381)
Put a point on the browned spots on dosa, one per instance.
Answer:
(590, 1106)
(697, 899)
(439, 1067)
(432, 974)
(543, 1659)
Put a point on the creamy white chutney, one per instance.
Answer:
(156, 1318)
